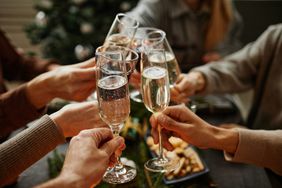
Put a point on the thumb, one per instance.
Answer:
(181, 86)
(111, 146)
(87, 73)
(86, 64)
(169, 123)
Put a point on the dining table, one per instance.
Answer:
(220, 173)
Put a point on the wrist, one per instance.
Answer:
(199, 80)
(226, 139)
(59, 122)
(37, 92)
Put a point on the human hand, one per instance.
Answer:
(73, 118)
(71, 82)
(186, 86)
(135, 79)
(211, 56)
(179, 121)
(177, 97)
(89, 155)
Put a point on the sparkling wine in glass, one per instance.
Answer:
(141, 34)
(114, 106)
(130, 57)
(156, 97)
(157, 39)
(122, 31)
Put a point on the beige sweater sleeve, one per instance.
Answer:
(259, 147)
(21, 151)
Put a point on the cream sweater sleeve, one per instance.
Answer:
(21, 151)
(259, 147)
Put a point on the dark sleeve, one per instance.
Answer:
(27, 147)
(17, 66)
(16, 110)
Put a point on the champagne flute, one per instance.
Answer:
(157, 39)
(141, 34)
(156, 97)
(114, 106)
(130, 57)
(122, 31)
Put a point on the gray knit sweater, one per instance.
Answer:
(257, 66)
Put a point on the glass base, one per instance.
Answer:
(161, 165)
(136, 96)
(120, 174)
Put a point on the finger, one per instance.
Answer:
(155, 135)
(81, 95)
(136, 74)
(170, 124)
(174, 134)
(122, 147)
(176, 111)
(180, 78)
(88, 106)
(86, 90)
(86, 64)
(113, 160)
(153, 120)
(88, 74)
(165, 139)
(174, 92)
(183, 98)
(86, 86)
(99, 135)
(118, 152)
(100, 124)
(111, 146)
(154, 130)
(182, 86)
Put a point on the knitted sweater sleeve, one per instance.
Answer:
(21, 151)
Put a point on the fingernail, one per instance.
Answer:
(123, 146)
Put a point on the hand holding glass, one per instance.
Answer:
(114, 105)
(156, 97)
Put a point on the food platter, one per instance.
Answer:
(190, 163)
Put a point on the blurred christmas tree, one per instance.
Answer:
(71, 30)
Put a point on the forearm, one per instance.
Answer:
(224, 139)
(21, 151)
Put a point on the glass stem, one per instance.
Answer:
(118, 165)
(161, 154)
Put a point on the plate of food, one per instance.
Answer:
(190, 163)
